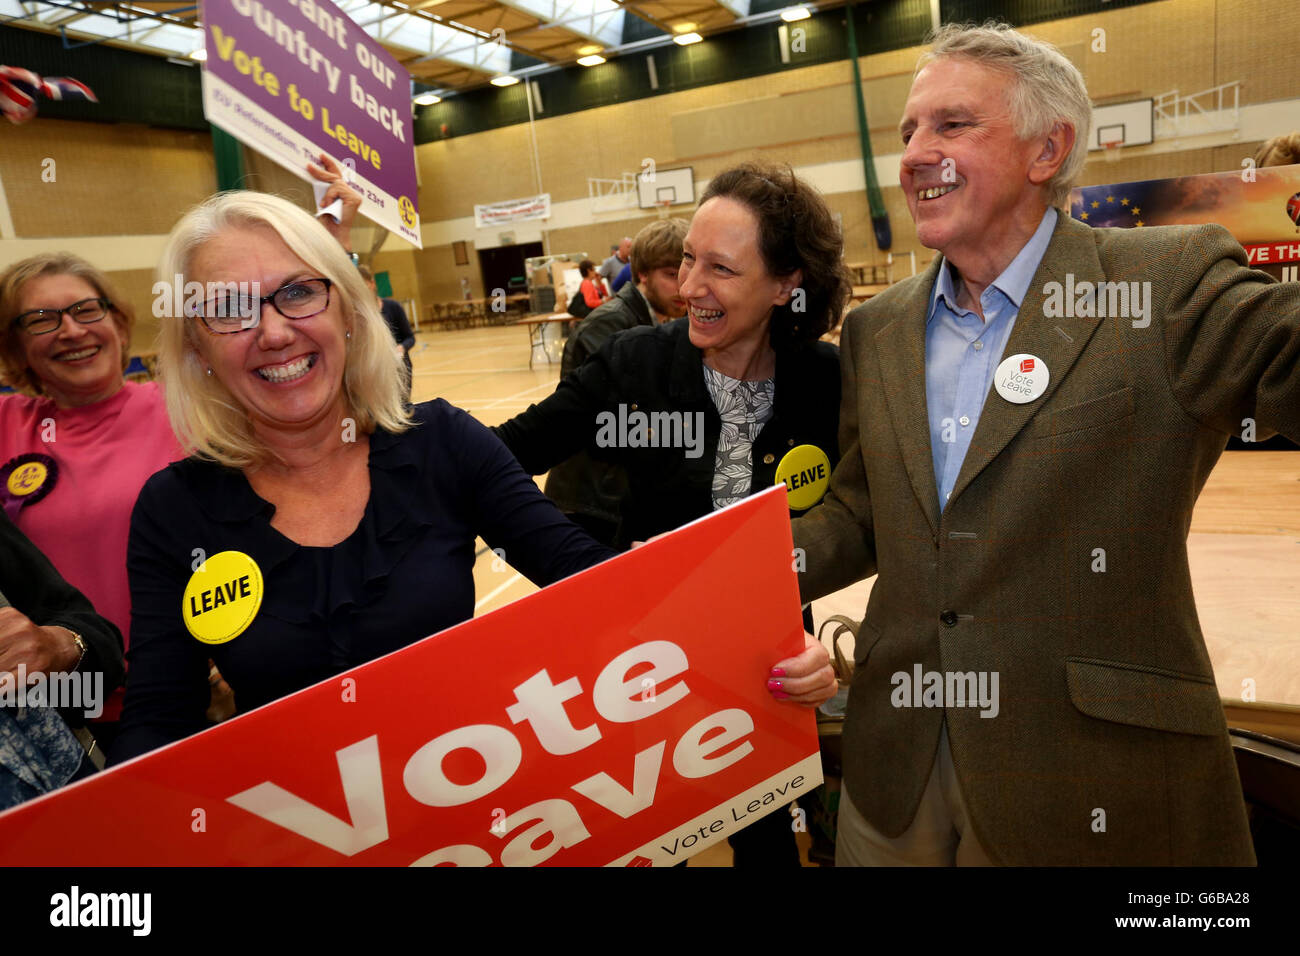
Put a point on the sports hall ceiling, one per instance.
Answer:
(447, 45)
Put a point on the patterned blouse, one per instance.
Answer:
(745, 407)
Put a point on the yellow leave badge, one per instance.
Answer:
(806, 472)
(222, 597)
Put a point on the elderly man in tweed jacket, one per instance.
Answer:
(1032, 686)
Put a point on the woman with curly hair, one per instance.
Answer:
(730, 391)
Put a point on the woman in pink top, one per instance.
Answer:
(76, 448)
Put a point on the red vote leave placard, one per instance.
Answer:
(618, 717)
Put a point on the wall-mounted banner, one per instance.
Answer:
(619, 717)
(291, 80)
(1260, 207)
(512, 210)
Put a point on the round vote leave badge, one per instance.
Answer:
(1021, 378)
(222, 597)
(806, 471)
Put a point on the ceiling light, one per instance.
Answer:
(505, 80)
(795, 13)
(684, 28)
(427, 99)
(589, 49)
(594, 59)
(686, 39)
(200, 54)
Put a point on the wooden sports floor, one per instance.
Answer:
(1244, 544)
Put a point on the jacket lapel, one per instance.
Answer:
(631, 295)
(900, 348)
(1058, 342)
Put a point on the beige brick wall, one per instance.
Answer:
(109, 180)
(131, 180)
(806, 116)
(135, 286)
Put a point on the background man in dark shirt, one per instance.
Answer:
(589, 491)
(398, 324)
(619, 257)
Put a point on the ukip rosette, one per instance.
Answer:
(26, 479)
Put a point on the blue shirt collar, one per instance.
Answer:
(1015, 278)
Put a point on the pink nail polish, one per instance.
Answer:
(778, 671)
(774, 685)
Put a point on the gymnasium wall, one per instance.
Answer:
(805, 117)
(128, 183)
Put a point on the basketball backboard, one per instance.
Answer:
(673, 186)
(1122, 124)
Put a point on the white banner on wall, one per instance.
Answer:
(513, 210)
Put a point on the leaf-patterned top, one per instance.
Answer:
(745, 407)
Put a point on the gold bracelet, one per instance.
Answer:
(81, 645)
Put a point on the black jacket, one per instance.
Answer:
(36, 589)
(400, 326)
(658, 370)
(626, 310)
(583, 484)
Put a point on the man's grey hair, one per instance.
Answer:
(1048, 88)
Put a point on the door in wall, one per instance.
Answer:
(502, 267)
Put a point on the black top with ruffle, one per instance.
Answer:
(403, 574)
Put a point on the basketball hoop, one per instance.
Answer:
(1111, 150)
(663, 208)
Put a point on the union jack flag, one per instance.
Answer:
(20, 89)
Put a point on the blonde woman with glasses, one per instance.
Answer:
(348, 518)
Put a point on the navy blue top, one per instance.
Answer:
(398, 323)
(624, 276)
(406, 572)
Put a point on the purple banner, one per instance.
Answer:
(293, 78)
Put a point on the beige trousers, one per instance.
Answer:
(939, 835)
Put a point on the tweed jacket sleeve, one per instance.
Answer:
(1231, 338)
(837, 536)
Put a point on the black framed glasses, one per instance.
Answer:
(234, 310)
(43, 321)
